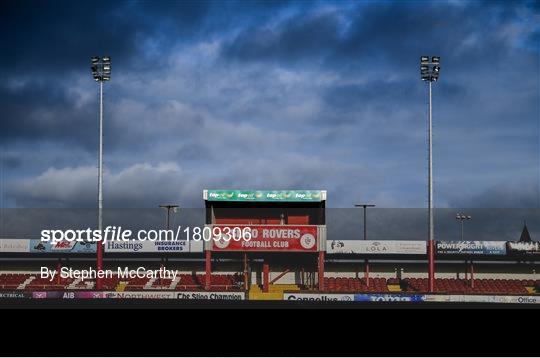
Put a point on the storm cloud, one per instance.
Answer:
(270, 95)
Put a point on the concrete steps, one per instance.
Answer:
(23, 285)
(150, 283)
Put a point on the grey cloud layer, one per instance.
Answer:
(285, 95)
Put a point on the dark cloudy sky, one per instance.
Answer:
(270, 95)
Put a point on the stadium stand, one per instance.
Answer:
(12, 281)
(347, 284)
(185, 282)
(37, 283)
(234, 282)
(455, 286)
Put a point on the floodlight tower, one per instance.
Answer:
(101, 71)
(430, 73)
(366, 261)
(174, 208)
(462, 217)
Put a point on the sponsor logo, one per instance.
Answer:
(210, 295)
(14, 295)
(525, 247)
(376, 247)
(302, 195)
(471, 247)
(146, 246)
(139, 295)
(14, 245)
(63, 245)
(317, 297)
(388, 298)
(130, 246)
(222, 243)
(527, 299)
(307, 241)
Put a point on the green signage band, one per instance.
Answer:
(266, 195)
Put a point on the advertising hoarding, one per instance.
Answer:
(149, 295)
(265, 195)
(483, 299)
(15, 245)
(375, 297)
(188, 295)
(38, 246)
(288, 296)
(205, 295)
(15, 294)
(471, 247)
(134, 246)
(521, 247)
(301, 238)
(67, 294)
(323, 297)
(376, 247)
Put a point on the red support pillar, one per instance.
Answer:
(99, 264)
(366, 272)
(58, 268)
(431, 271)
(321, 271)
(246, 272)
(266, 276)
(472, 274)
(161, 266)
(208, 269)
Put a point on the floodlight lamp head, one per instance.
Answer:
(95, 60)
(424, 59)
(436, 59)
(107, 59)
